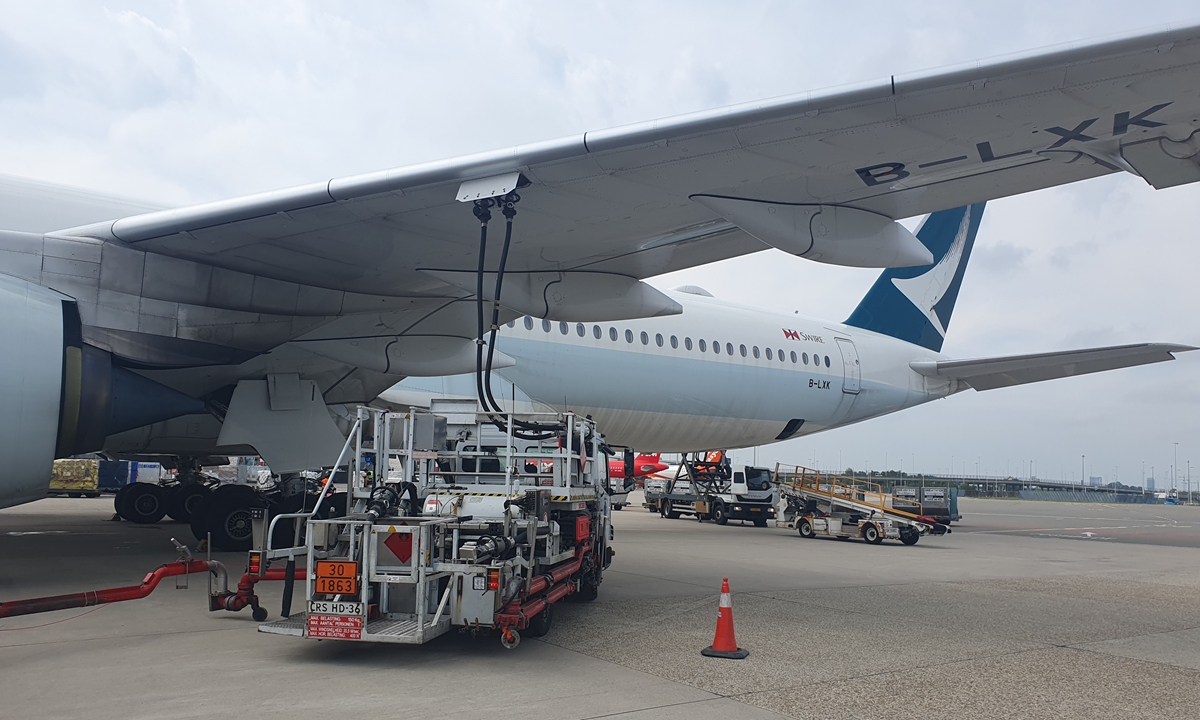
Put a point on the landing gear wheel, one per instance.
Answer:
(806, 529)
(119, 499)
(540, 624)
(509, 638)
(871, 534)
(669, 510)
(228, 519)
(259, 614)
(718, 514)
(185, 500)
(144, 504)
(199, 517)
(909, 537)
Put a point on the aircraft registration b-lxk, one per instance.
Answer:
(249, 325)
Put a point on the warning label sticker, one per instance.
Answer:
(336, 627)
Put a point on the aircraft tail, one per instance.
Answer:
(914, 304)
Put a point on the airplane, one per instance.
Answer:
(643, 465)
(721, 374)
(253, 325)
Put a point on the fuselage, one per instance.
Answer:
(719, 375)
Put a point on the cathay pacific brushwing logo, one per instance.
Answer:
(926, 290)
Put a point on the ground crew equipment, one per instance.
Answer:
(844, 507)
(724, 644)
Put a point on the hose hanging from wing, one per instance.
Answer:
(483, 372)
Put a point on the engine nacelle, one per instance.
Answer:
(58, 395)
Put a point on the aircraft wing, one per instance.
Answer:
(998, 372)
(601, 210)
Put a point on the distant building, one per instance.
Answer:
(1150, 484)
(1095, 481)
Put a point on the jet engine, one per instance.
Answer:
(60, 396)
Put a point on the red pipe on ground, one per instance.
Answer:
(13, 608)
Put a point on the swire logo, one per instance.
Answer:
(794, 335)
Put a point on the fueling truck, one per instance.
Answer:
(455, 520)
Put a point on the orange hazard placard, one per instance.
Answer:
(336, 627)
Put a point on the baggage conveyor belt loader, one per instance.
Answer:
(463, 525)
(817, 503)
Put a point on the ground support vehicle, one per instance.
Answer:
(817, 503)
(470, 527)
(707, 487)
(939, 503)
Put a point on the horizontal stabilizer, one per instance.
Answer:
(990, 373)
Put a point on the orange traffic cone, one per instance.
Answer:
(724, 645)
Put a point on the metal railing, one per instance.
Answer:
(291, 552)
(841, 487)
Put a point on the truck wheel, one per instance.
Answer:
(718, 514)
(806, 529)
(587, 592)
(144, 504)
(669, 510)
(871, 534)
(228, 519)
(540, 624)
(909, 537)
(184, 500)
(760, 523)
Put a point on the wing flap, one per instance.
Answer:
(990, 373)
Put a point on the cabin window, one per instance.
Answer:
(612, 334)
(687, 343)
(805, 356)
(528, 323)
(793, 356)
(702, 348)
(580, 330)
(742, 350)
(826, 361)
(729, 349)
(597, 332)
(546, 326)
(629, 336)
(562, 328)
(716, 347)
(512, 323)
(645, 338)
(780, 355)
(658, 339)
(769, 355)
(755, 350)
(674, 343)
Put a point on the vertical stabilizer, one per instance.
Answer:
(914, 304)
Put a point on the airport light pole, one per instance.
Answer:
(1082, 461)
(1175, 468)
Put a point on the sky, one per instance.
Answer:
(178, 103)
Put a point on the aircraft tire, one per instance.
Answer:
(119, 499)
(186, 499)
(228, 519)
(144, 504)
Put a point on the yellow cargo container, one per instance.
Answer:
(75, 478)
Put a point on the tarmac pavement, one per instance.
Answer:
(1020, 612)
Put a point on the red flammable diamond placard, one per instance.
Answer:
(401, 545)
